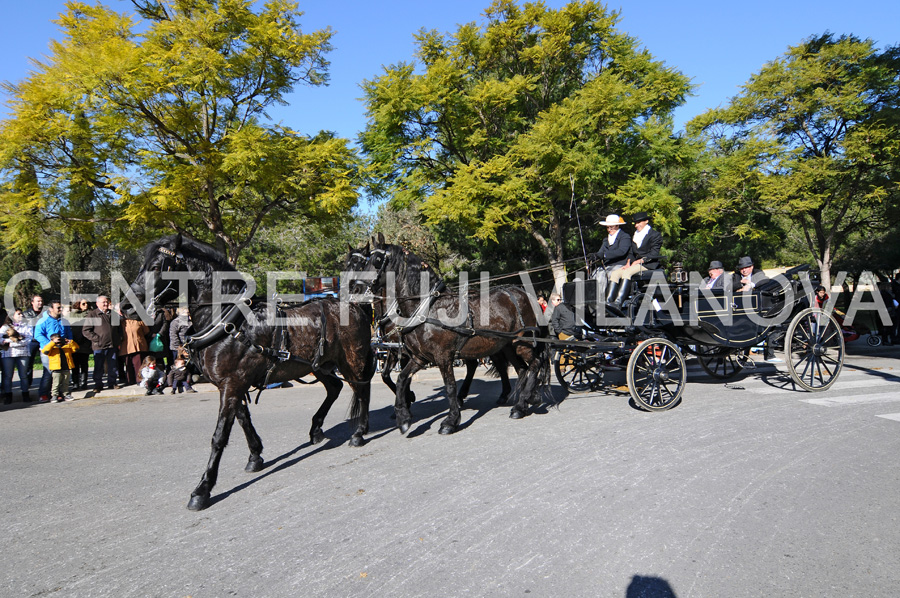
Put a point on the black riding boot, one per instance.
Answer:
(611, 290)
(624, 292)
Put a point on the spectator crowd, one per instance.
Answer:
(125, 352)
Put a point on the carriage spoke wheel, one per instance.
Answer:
(814, 349)
(656, 374)
(578, 372)
(719, 362)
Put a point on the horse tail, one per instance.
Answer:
(544, 374)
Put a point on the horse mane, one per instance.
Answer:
(409, 267)
(191, 248)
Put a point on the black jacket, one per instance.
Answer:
(563, 320)
(649, 251)
(617, 253)
(756, 277)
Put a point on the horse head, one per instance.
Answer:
(152, 288)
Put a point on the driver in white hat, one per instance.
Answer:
(616, 246)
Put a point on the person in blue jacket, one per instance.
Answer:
(51, 323)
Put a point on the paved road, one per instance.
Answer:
(747, 489)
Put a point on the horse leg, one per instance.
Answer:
(333, 386)
(401, 404)
(200, 495)
(501, 364)
(254, 442)
(389, 362)
(471, 366)
(527, 385)
(451, 422)
(359, 411)
(410, 395)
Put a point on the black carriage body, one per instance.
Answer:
(684, 314)
(660, 321)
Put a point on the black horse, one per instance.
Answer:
(356, 261)
(440, 328)
(239, 345)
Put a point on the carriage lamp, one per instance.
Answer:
(678, 274)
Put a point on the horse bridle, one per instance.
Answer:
(383, 255)
(175, 261)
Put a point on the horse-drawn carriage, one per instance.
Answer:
(243, 341)
(661, 321)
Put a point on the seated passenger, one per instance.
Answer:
(645, 253)
(562, 320)
(746, 279)
(715, 280)
(748, 275)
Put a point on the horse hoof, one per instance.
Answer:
(198, 502)
(316, 438)
(447, 429)
(516, 414)
(404, 427)
(357, 441)
(254, 465)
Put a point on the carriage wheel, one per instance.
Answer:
(719, 362)
(578, 372)
(656, 374)
(814, 349)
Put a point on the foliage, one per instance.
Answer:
(813, 138)
(160, 125)
(313, 248)
(505, 124)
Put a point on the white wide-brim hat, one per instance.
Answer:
(612, 220)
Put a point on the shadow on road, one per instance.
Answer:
(649, 587)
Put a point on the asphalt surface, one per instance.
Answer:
(745, 489)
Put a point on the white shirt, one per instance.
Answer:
(611, 238)
(639, 236)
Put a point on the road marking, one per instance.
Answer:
(885, 397)
(893, 416)
(841, 384)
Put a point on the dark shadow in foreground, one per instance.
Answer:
(649, 587)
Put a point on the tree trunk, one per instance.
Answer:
(553, 251)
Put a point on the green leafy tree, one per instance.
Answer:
(304, 246)
(813, 139)
(161, 126)
(499, 127)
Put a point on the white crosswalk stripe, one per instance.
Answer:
(844, 393)
(884, 397)
(843, 383)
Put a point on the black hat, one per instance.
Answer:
(745, 262)
(716, 265)
(639, 217)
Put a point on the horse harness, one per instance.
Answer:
(379, 258)
(231, 324)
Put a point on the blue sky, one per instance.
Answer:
(718, 44)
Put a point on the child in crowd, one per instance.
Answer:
(61, 353)
(150, 378)
(180, 377)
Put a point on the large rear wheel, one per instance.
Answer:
(656, 374)
(578, 371)
(814, 349)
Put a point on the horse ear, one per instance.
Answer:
(381, 239)
(178, 240)
(367, 247)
